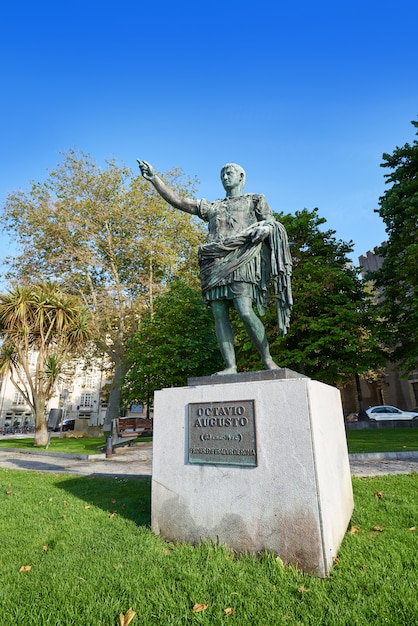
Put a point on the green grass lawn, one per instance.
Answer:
(82, 445)
(88, 554)
(382, 440)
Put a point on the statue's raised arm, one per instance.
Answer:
(189, 205)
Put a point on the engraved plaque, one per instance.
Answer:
(222, 433)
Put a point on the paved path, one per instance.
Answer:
(132, 461)
(369, 465)
(136, 461)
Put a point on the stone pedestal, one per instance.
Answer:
(255, 465)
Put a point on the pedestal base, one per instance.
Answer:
(293, 497)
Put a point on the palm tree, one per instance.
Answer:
(40, 319)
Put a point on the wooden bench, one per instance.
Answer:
(125, 430)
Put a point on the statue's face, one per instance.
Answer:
(231, 177)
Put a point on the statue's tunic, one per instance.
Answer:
(232, 266)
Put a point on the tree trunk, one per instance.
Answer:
(113, 407)
(41, 431)
(362, 415)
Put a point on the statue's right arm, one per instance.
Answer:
(189, 205)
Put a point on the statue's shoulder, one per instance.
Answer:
(207, 209)
(255, 197)
(257, 200)
(247, 198)
(213, 202)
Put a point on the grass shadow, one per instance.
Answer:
(126, 497)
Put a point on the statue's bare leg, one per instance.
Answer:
(255, 329)
(225, 335)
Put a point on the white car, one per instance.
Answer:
(389, 413)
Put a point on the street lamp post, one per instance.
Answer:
(64, 395)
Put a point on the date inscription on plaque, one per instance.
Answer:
(222, 433)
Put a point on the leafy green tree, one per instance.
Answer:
(332, 332)
(397, 279)
(43, 321)
(178, 341)
(103, 234)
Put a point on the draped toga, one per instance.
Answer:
(232, 266)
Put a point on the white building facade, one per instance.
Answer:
(81, 394)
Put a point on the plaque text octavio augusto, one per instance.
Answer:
(222, 433)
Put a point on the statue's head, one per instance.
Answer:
(237, 170)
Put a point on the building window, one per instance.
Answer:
(88, 381)
(86, 400)
(19, 399)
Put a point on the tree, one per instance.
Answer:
(104, 235)
(43, 321)
(331, 336)
(176, 342)
(397, 278)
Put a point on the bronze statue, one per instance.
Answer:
(245, 248)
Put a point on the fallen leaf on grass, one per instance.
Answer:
(378, 495)
(63, 517)
(65, 502)
(125, 620)
(378, 529)
(354, 530)
(8, 492)
(25, 568)
(228, 611)
(336, 560)
(87, 506)
(44, 548)
(413, 528)
(118, 566)
(302, 589)
(113, 501)
(200, 607)
(111, 516)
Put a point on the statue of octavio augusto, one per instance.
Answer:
(245, 250)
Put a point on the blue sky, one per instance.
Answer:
(306, 96)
